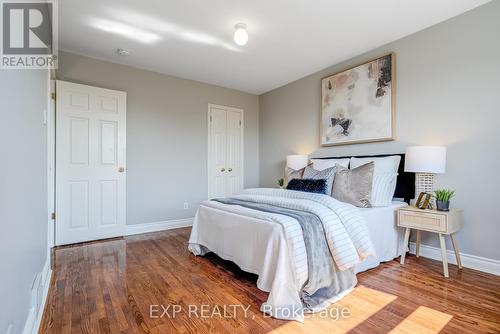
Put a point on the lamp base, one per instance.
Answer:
(424, 183)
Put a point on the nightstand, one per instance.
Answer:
(443, 223)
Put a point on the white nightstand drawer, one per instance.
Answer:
(421, 220)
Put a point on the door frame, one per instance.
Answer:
(50, 122)
(209, 142)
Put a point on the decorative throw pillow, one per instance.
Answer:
(291, 174)
(354, 186)
(308, 185)
(326, 174)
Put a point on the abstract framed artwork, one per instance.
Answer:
(358, 104)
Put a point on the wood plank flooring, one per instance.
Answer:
(131, 285)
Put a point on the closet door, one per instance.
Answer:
(217, 153)
(233, 156)
(225, 148)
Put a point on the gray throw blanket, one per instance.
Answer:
(325, 280)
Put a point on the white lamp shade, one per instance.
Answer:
(297, 161)
(425, 159)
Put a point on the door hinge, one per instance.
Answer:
(240, 122)
(210, 118)
(53, 96)
(53, 216)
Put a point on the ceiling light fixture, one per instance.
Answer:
(240, 34)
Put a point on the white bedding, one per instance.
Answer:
(386, 236)
(275, 251)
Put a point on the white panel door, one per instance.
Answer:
(90, 163)
(225, 148)
(233, 155)
(218, 152)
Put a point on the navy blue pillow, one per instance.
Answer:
(308, 185)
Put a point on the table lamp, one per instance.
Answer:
(425, 161)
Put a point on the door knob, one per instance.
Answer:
(222, 169)
(230, 170)
(121, 169)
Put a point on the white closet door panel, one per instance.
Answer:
(218, 152)
(233, 152)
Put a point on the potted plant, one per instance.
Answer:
(443, 197)
(281, 182)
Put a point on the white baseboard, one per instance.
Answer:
(40, 292)
(158, 226)
(468, 261)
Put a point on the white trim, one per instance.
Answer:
(34, 318)
(469, 261)
(32, 324)
(158, 226)
(51, 163)
(242, 149)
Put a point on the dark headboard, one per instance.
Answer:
(405, 186)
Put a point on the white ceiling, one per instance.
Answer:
(289, 39)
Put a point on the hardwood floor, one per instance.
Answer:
(114, 286)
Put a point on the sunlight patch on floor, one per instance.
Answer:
(423, 320)
(362, 303)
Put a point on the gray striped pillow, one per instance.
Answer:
(383, 188)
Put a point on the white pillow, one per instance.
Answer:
(382, 164)
(322, 164)
(384, 178)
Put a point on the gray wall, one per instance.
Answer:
(448, 93)
(166, 135)
(23, 191)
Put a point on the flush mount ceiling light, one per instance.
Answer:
(240, 34)
(123, 52)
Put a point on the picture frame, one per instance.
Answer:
(358, 105)
(424, 201)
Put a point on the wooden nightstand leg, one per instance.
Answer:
(457, 252)
(417, 250)
(405, 245)
(443, 254)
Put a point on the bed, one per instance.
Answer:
(271, 245)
